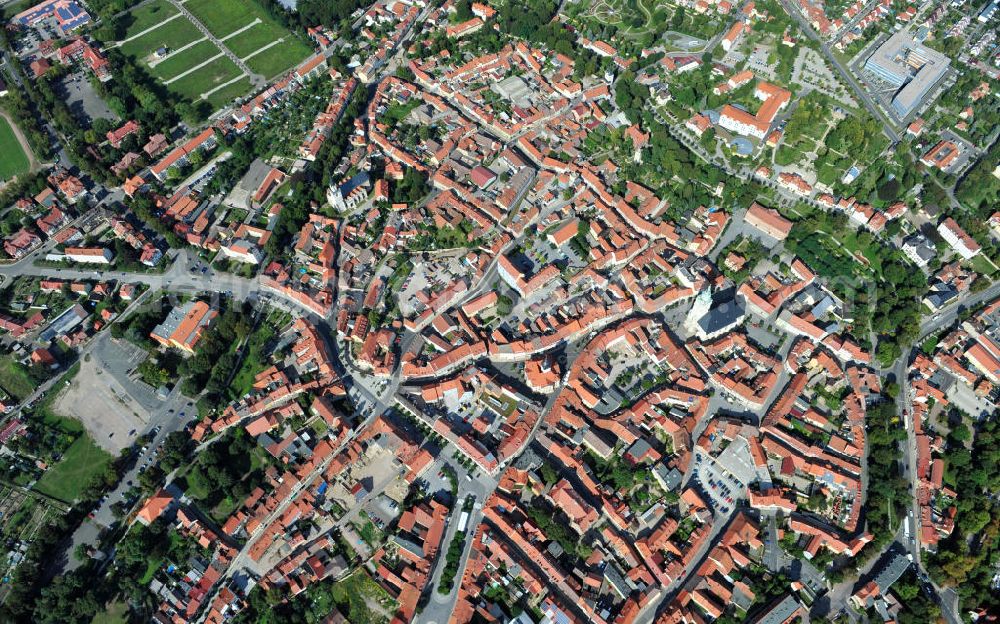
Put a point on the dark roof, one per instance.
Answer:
(721, 317)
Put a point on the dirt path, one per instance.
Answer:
(33, 164)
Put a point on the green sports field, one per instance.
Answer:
(15, 161)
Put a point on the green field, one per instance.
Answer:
(982, 265)
(225, 17)
(81, 462)
(218, 72)
(172, 35)
(14, 161)
(279, 58)
(14, 378)
(116, 613)
(149, 15)
(12, 9)
(249, 41)
(227, 94)
(183, 61)
(180, 32)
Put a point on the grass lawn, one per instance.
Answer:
(114, 614)
(225, 95)
(81, 462)
(172, 35)
(981, 264)
(149, 15)
(14, 8)
(224, 17)
(196, 486)
(218, 72)
(225, 508)
(279, 58)
(14, 378)
(357, 592)
(397, 112)
(850, 241)
(183, 61)
(254, 360)
(249, 41)
(319, 427)
(14, 161)
(151, 567)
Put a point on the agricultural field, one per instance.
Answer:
(251, 34)
(15, 161)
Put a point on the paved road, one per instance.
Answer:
(907, 536)
(845, 75)
(949, 315)
(774, 558)
(168, 418)
(946, 597)
(904, 407)
(440, 607)
(849, 24)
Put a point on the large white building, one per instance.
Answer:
(959, 239)
(89, 255)
(741, 122)
(918, 249)
(908, 65)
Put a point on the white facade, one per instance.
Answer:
(739, 127)
(957, 243)
(91, 258)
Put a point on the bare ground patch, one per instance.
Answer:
(104, 408)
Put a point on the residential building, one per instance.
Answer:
(89, 255)
(959, 239)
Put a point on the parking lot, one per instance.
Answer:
(724, 478)
(758, 62)
(82, 100)
(119, 358)
(107, 410)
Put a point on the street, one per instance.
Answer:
(845, 75)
